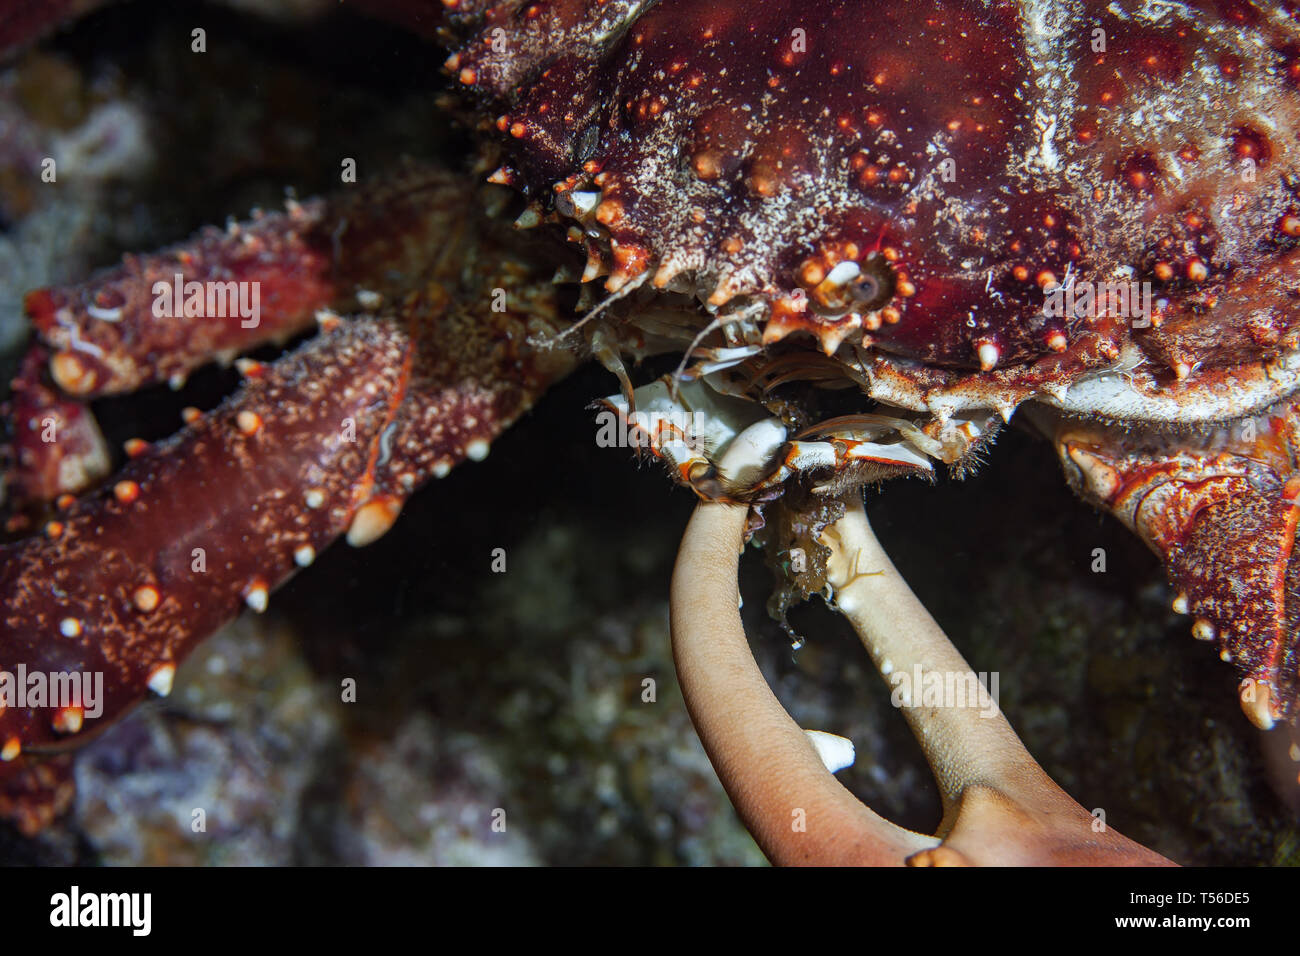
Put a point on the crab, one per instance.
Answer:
(873, 235)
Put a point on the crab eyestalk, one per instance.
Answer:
(1000, 807)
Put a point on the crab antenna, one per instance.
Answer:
(558, 339)
(1000, 807)
(715, 324)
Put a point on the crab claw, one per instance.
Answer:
(1221, 511)
(1000, 807)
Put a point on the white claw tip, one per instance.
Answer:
(836, 752)
(160, 680)
(373, 519)
(476, 450)
(1180, 604)
(1257, 703)
(257, 597)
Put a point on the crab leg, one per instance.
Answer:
(251, 283)
(133, 578)
(999, 806)
(325, 442)
(156, 318)
(1221, 509)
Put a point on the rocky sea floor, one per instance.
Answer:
(500, 716)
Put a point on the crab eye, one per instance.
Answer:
(866, 290)
(874, 286)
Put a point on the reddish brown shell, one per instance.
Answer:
(964, 156)
(1220, 508)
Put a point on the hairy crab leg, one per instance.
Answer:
(158, 317)
(243, 286)
(325, 442)
(1220, 507)
(134, 577)
(999, 806)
